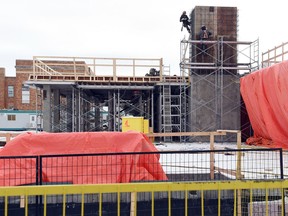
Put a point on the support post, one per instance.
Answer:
(212, 157)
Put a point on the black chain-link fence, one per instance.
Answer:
(204, 165)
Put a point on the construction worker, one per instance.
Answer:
(185, 21)
(204, 35)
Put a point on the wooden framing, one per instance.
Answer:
(275, 55)
(100, 70)
(9, 136)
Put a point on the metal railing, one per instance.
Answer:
(169, 198)
(168, 166)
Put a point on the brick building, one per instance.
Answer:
(14, 93)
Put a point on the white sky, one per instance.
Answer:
(121, 28)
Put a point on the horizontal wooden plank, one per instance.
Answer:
(203, 133)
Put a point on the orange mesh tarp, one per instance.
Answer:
(81, 170)
(265, 94)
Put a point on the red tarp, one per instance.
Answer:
(91, 170)
(265, 94)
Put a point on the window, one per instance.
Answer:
(25, 94)
(10, 91)
(11, 117)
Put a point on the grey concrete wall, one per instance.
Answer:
(214, 93)
(47, 108)
(214, 107)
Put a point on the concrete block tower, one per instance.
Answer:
(214, 96)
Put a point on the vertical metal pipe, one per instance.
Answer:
(282, 177)
(79, 111)
(152, 109)
(281, 164)
(114, 111)
(118, 110)
(73, 109)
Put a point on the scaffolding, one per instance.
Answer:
(205, 97)
(214, 81)
(76, 98)
(93, 94)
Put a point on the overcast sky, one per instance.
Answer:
(121, 28)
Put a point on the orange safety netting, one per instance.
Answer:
(265, 94)
(113, 169)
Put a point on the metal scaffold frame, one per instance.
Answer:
(78, 91)
(219, 68)
(77, 112)
(172, 103)
(167, 101)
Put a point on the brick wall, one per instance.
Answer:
(24, 66)
(23, 69)
(20, 79)
(9, 101)
(222, 22)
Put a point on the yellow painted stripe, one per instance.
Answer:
(202, 203)
(6, 206)
(118, 204)
(64, 205)
(168, 187)
(45, 205)
(219, 202)
(140, 187)
(153, 204)
(251, 202)
(186, 203)
(82, 204)
(26, 205)
(266, 201)
(100, 204)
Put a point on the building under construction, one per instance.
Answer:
(93, 94)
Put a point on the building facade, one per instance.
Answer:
(14, 93)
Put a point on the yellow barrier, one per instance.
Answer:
(267, 189)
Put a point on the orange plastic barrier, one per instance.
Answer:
(265, 94)
(86, 170)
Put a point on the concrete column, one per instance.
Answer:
(77, 115)
(160, 113)
(97, 115)
(56, 111)
(117, 111)
(141, 105)
(147, 107)
(69, 112)
(189, 111)
(110, 111)
(47, 108)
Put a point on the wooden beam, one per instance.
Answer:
(229, 131)
(227, 171)
(8, 136)
(212, 157)
(214, 133)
